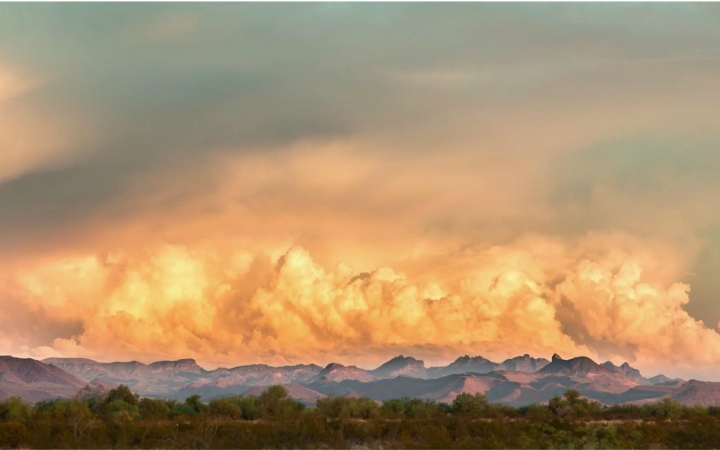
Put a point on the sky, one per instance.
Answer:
(344, 182)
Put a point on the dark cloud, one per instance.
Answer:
(572, 325)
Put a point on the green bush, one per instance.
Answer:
(124, 394)
(225, 407)
(182, 409)
(194, 402)
(275, 403)
(154, 408)
(470, 404)
(14, 409)
(122, 409)
(347, 408)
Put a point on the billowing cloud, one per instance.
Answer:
(237, 306)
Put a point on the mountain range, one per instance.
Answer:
(517, 381)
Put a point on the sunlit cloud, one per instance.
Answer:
(237, 306)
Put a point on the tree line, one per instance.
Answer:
(122, 419)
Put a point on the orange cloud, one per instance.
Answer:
(236, 306)
(267, 260)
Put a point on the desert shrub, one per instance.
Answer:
(469, 404)
(666, 409)
(14, 409)
(194, 402)
(14, 435)
(275, 403)
(121, 409)
(124, 394)
(224, 407)
(182, 409)
(347, 408)
(154, 408)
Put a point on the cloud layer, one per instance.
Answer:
(535, 295)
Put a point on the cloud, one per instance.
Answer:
(169, 27)
(30, 139)
(251, 79)
(371, 273)
(14, 83)
(235, 306)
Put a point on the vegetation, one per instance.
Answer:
(121, 419)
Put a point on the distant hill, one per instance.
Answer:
(524, 363)
(695, 392)
(173, 378)
(479, 364)
(496, 387)
(338, 372)
(628, 370)
(588, 376)
(493, 388)
(35, 381)
(181, 366)
(464, 364)
(154, 379)
(661, 379)
(401, 365)
(516, 381)
(576, 367)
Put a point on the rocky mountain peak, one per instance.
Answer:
(628, 371)
(525, 363)
(181, 365)
(401, 365)
(333, 366)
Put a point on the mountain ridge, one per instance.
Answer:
(516, 381)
